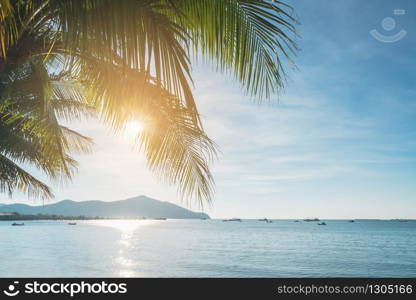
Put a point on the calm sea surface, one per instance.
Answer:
(208, 248)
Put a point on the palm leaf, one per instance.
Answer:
(176, 147)
(13, 177)
(249, 39)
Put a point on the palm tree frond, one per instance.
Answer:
(176, 147)
(13, 177)
(248, 39)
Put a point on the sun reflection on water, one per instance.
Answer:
(126, 266)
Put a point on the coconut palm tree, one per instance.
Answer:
(130, 60)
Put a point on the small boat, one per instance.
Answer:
(296, 221)
(322, 223)
(311, 220)
(161, 219)
(18, 224)
(266, 220)
(351, 221)
(72, 223)
(232, 220)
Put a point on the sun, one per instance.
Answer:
(133, 128)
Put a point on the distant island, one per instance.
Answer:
(141, 207)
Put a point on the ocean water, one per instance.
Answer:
(208, 248)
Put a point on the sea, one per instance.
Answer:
(208, 248)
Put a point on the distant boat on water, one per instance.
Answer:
(296, 221)
(232, 220)
(18, 224)
(72, 223)
(311, 220)
(266, 220)
(351, 221)
(161, 219)
(322, 223)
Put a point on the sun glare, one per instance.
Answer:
(133, 128)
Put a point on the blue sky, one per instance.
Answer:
(338, 143)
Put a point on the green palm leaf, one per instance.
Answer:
(249, 39)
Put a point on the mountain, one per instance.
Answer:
(137, 207)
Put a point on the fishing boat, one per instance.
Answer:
(18, 224)
(72, 223)
(311, 220)
(266, 220)
(322, 223)
(232, 220)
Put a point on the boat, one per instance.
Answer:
(351, 221)
(18, 224)
(266, 220)
(311, 220)
(296, 221)
(232, 220)
(322, 223)
(72, 223)
(161, 219)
